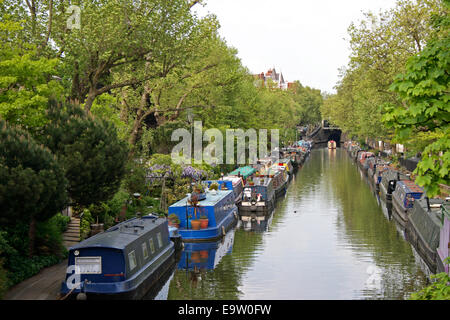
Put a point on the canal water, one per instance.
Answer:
(329, 238)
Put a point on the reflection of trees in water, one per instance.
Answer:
(364, 227)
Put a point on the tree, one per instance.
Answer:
(89, 150)
(380, 47)
(425, 109)
(32, 182)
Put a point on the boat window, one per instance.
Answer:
(144, 250)
(152, 246)
(158, 236)
(132, 260)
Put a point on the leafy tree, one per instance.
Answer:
(32, 182)
(424, 90)
(89, 150)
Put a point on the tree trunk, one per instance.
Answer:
(90, 99)
(32, 236)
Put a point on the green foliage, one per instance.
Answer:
(86, 221)
(90, 151)
(32, 182)
(438, 290)
(423, 89)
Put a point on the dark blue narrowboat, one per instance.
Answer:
(403, 198)
(124, 262)
(205, 255)
(218, 208)
(258, 199)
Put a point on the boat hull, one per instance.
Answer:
(211, 233)
(131, 289)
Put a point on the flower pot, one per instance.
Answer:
(204, 254)
(195, 257)
(204, 223)
(195, 224)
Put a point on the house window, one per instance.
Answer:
(132, 260)
(158, 236)
(152, 246)
(144, 250)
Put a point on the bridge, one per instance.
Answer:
(324, 133)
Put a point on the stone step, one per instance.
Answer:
(72, 233)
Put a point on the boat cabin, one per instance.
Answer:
(406, 192)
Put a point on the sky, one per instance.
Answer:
(306, 40)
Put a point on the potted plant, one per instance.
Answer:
(199, 191)
(214, 186)
(195, 224)
(203, 221)
(174, 221)
(251, 183)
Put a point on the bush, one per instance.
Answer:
(49, 239)
(61, 221)
(3, 280)
(86, 222)
(22, 268)
(438, 290)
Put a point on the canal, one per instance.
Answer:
(328, 239)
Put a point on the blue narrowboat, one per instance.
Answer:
(218, 208)
(258, 199)
(388, 183)
(406, 192)
(231, 183)
(205, 255)
(124, 262)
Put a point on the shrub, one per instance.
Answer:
(61, 221)
(86, 221)
(438, 290)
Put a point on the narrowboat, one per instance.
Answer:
(423, 229)
(124, 262)
(286, 163)
(362, 158)
(243, 172)
(443, 251)
(258, 199)
(218, 210)
(231, 183)
(205, 255)
(331, 144)
(262, 165)
(388, 183)
(403, 198)
(279, 180)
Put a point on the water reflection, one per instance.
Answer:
(328, 239)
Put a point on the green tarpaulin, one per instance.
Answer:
(244, 171)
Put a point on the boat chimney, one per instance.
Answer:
(428, 204)
(398, 176)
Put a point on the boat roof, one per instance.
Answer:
(121, 235)
(409, 186)
(260, 181)
(211, 199)
(243, 171)
(233, 179)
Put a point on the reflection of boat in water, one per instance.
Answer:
(123, 262)
(205, 255)
(160, 291)
(258, 224)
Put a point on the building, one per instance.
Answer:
(272, 77)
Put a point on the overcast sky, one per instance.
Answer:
(302, 38)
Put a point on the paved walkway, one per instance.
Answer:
(43, 286)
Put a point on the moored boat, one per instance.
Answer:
(331, 144)
(280, 180)
(218, 208)
(423, 229)
(388, 183)
(243, 172)
(443, 251)
(123, 262)
(403, 198)
(258, 199)
(231, 183)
